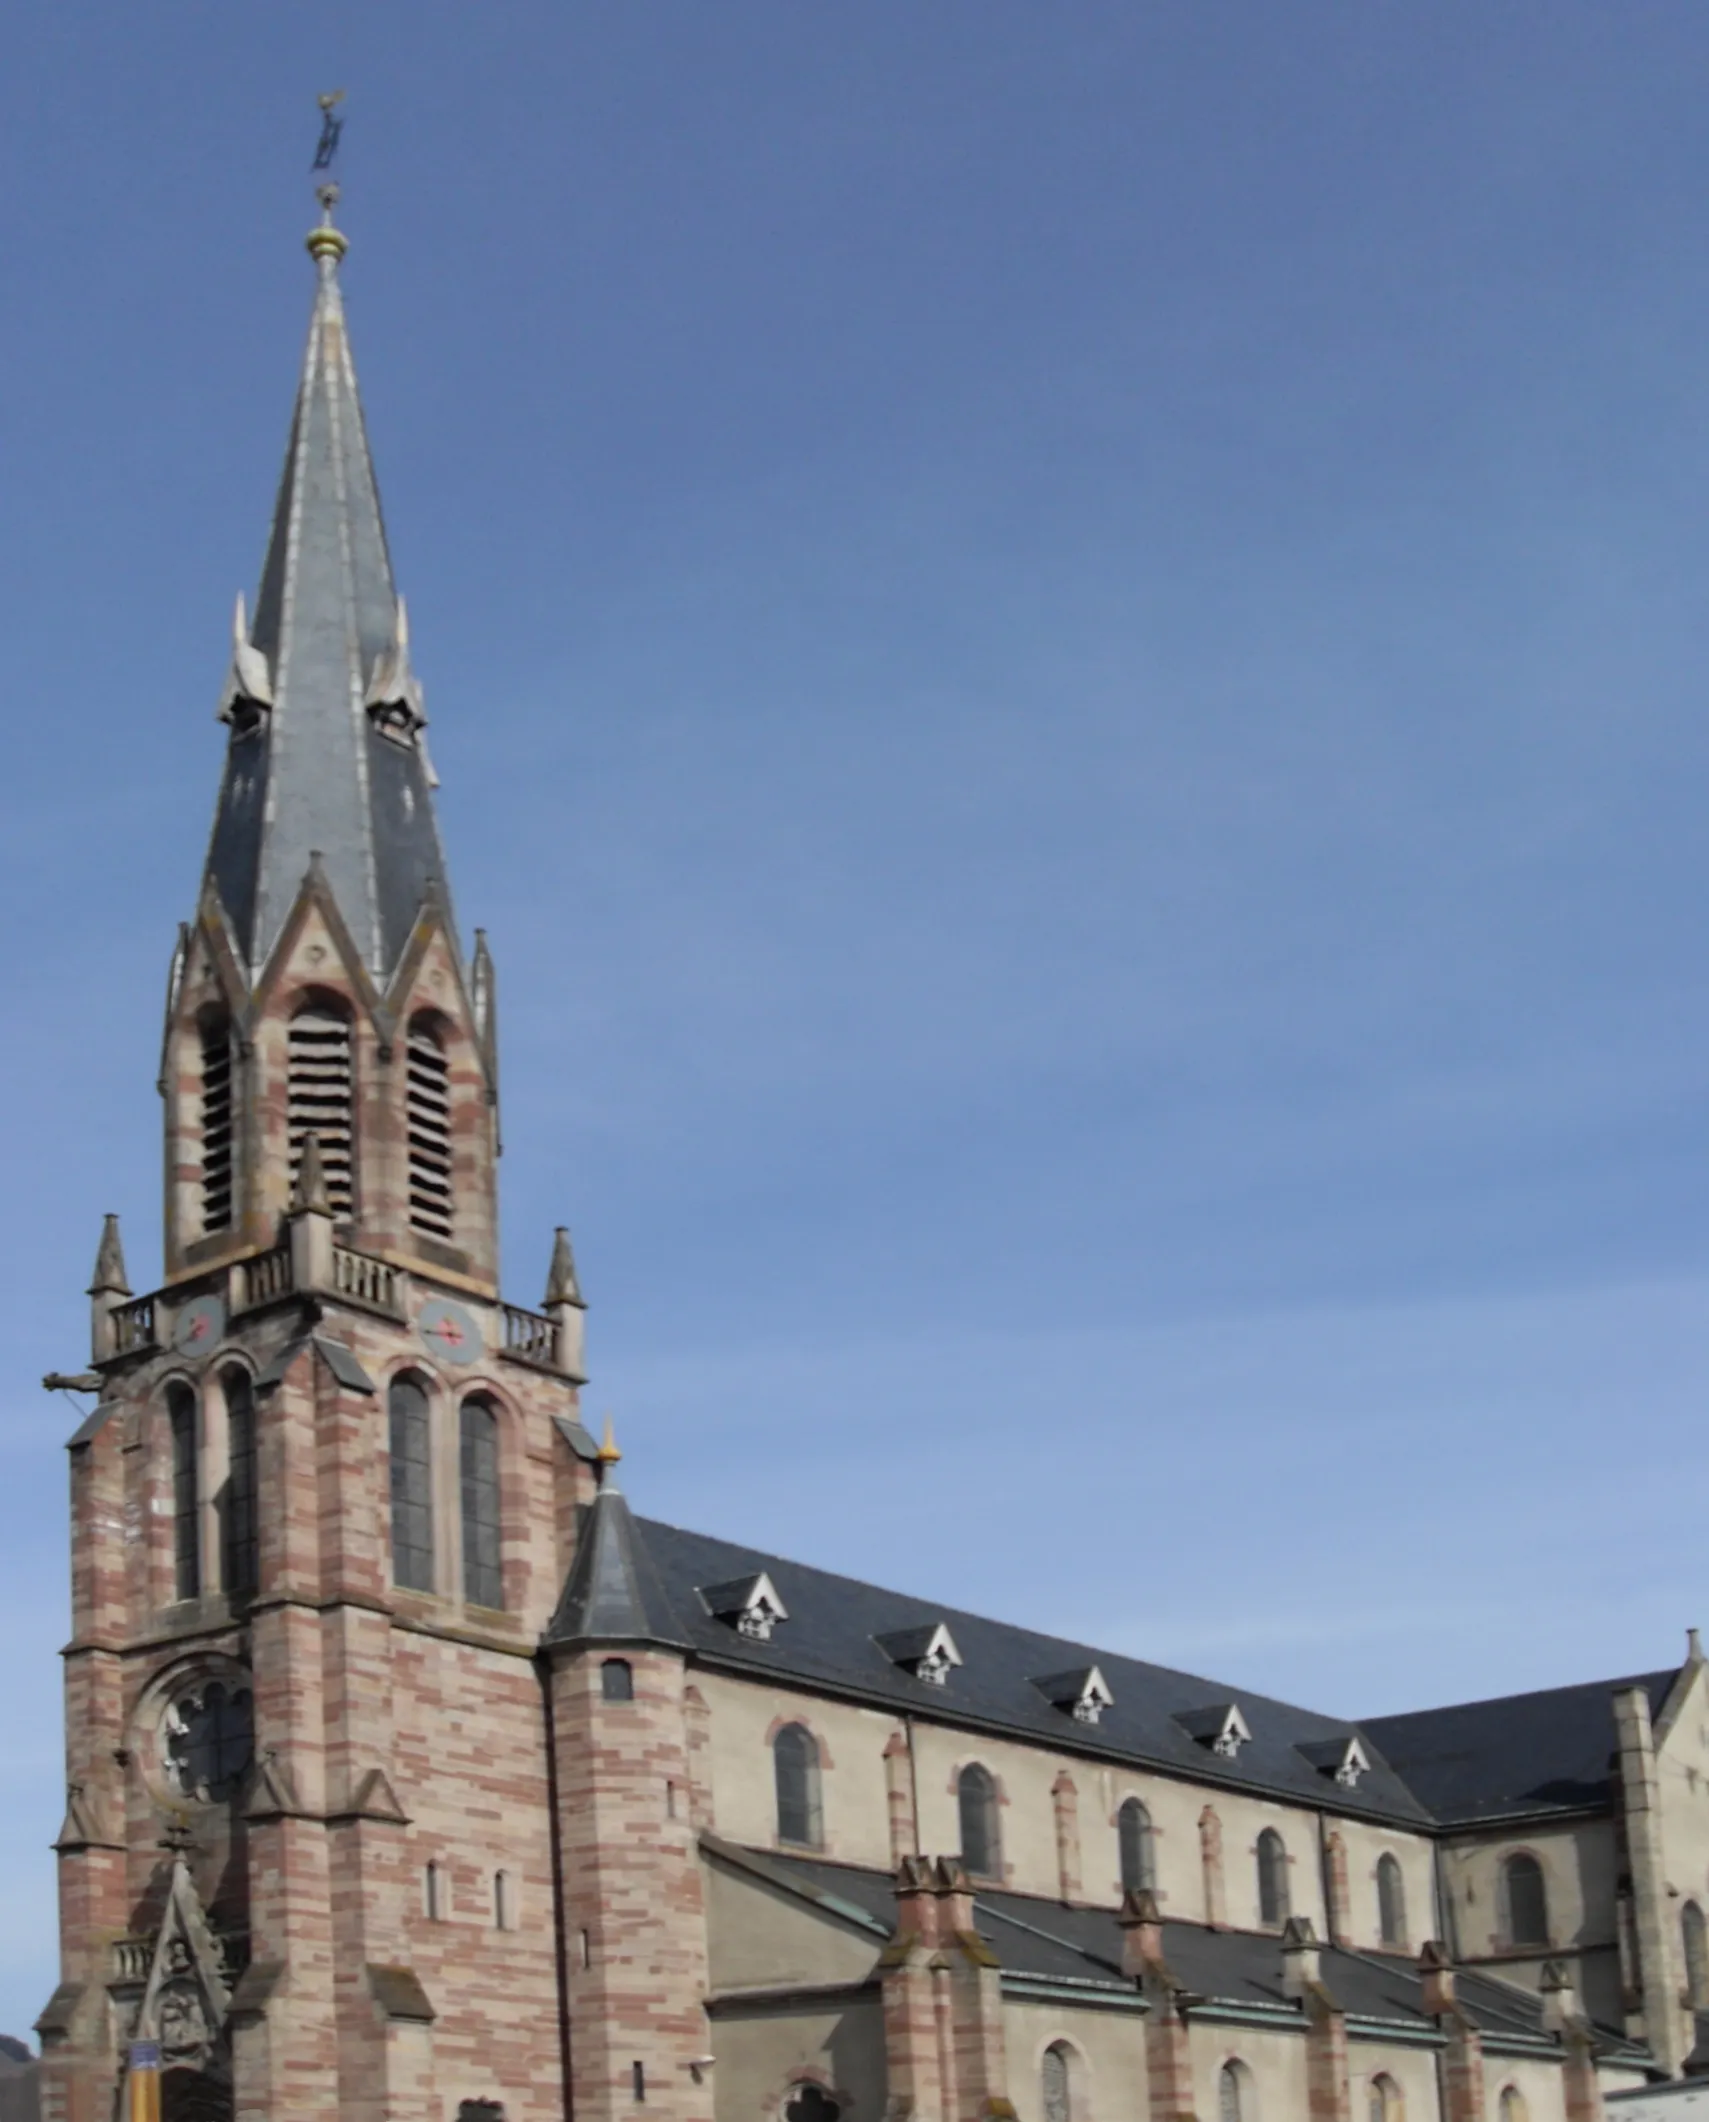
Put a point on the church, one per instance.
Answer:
(415, 1775)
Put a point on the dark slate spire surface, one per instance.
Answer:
(613, 1593)
(321, 757)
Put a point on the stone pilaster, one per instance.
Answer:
(1653, 1921)
(1210, 1862)
(1065, 1805)
(899, 1796)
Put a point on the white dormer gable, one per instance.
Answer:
(1083, 1692)
(1221, 1727)
(750, 1605)
(929, 1652)
(1354, 1763)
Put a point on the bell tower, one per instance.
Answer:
(329, 1491)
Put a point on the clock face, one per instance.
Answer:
(450, 1332)
(198, 1326)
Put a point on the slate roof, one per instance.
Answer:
(1044, 1941)
(314, 774)
(1513, 1756)
(613, 1593)
(830, 1642)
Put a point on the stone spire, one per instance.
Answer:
(326, 751)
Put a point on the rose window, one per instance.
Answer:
(209, 1737)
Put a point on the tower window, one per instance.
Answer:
(1272, 1879)
(976, 1801)
(617, 1680)
(433, 1892)
(242, 1543)
(1133, 1832)
(1234, 2102)
(483, 1577)
(795, 1766)
(186, 1492)
(319, 1096)
(429, 1120)
(412, 1486)
(216, 1124)
(1391, 1900)
(504, 1901)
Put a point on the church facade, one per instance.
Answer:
(413, 1777)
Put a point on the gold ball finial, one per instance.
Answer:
(608, 1452)
(327, 241)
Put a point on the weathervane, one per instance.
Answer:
(331, 126)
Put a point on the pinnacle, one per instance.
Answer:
(309, 1196)
(110, 1278)
(561, 1284)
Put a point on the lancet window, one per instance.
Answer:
(483, 1576)
(1391, 1900)
(412, 1486)
(981, 1838)
(795, 1766)
(1272, 1879)
(242, 1528)
(1527, 1900)
(1133, 1832)
(183, 1416)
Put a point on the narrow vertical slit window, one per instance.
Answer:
(319, 1096)
(186, 1492)
(412, 1486)
(483, 1577)
(1133, 1835)
(217, 1160)
(242, 1527)
(429, 1118)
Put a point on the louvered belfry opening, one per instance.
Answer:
(216, 1124)
(430, 1198)
(319, 1095)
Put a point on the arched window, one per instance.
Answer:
(215, 1031)
(182, 1413)
(1272, 1879)
(412, 1486)
(981, 1841)
(1386, 2104)
(319, 1097)
(1056, 2090)
(1527, 1902)
(1234, 2101)
(241, 1563)
(1695, 1934)
(810, 2103)
(617, 1680)
(429, 1118)
(483, 1578)
(1133, 1833)
(1391, 1900)
(795, 1764)
(1511, 2107)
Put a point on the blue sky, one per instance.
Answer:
(1066, 648)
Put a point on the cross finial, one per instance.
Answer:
(326, 243)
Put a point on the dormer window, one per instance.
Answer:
(1083, 1693)
(1344, 1759)
(394, 699)
(1220, 1728)
(248, 692)
(749, 1604)
(929, 1653)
